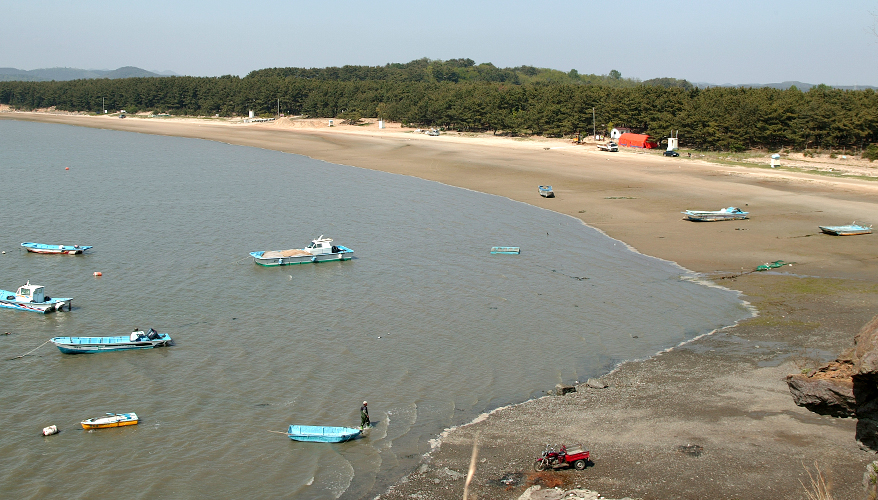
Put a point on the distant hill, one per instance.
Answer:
(65, 74)
(804, 87)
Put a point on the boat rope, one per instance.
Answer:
(279, 432)
(242, 258)
(32, 350)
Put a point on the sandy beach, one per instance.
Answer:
(723, 395)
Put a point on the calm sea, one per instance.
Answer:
(424, 322)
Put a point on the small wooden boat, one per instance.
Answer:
(546, 192)
(731, 213)
(55, 249)
(111, 420)
(849, 230)
(33, 298)
(321, 434)
(88, 345)
(506, 250)
(320, 250)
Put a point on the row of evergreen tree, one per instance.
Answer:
(718, 118)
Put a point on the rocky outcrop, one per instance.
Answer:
(561, 389)
(846, 387)
(828, 390)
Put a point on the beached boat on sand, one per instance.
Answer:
(55, 249)
(322, 434)
(136, 340)
(730, 213)
(111, 420)
(849, 230)
(33, 298)
(546, 192)
(320, 250)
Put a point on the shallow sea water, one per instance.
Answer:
(424, 322)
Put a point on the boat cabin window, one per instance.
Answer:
(24, 291)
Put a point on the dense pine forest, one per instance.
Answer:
(461, 95)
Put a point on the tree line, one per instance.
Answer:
(717, 118)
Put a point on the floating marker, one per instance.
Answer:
(98, 273)
(66, 168)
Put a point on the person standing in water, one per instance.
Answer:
(364, 416)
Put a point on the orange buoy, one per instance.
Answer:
(66, 168)
(98, 273)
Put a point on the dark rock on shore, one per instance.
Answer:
(846, 387)
(561, 389)
(828, 390)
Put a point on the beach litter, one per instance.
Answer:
(773, 265)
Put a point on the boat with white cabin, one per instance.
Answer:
(320, 250)
(33, 298)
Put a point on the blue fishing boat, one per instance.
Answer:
(546, 192)
(849, 230)
(730, 213)
(33, 298)
(136, 340)
(321, 434)
(320, 250)
(55, 249)
(506, 250)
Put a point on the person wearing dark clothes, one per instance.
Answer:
(364, 416)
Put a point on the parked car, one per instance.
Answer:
(671, 153)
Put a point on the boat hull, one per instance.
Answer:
(90, 345)
(39, 307)
(117, 420)
(343, 254)
(320, 434)
(55, 249)
(546, 192)
(845, 230)
(714, 217)
(506, 250)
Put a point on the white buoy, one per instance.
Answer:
(48, 431)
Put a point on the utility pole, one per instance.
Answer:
(593, 130)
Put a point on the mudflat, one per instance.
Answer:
(710, 419)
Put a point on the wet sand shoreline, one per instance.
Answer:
(724, 392)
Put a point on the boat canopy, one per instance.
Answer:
(31, 293)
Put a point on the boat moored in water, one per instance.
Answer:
(320, 250)
(88, 345)
(849, 230)
(55, 249)
(506, 250)
(111, 420)
(730, 213)
(33, 298)
(322, 434)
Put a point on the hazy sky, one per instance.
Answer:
(766, 41)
